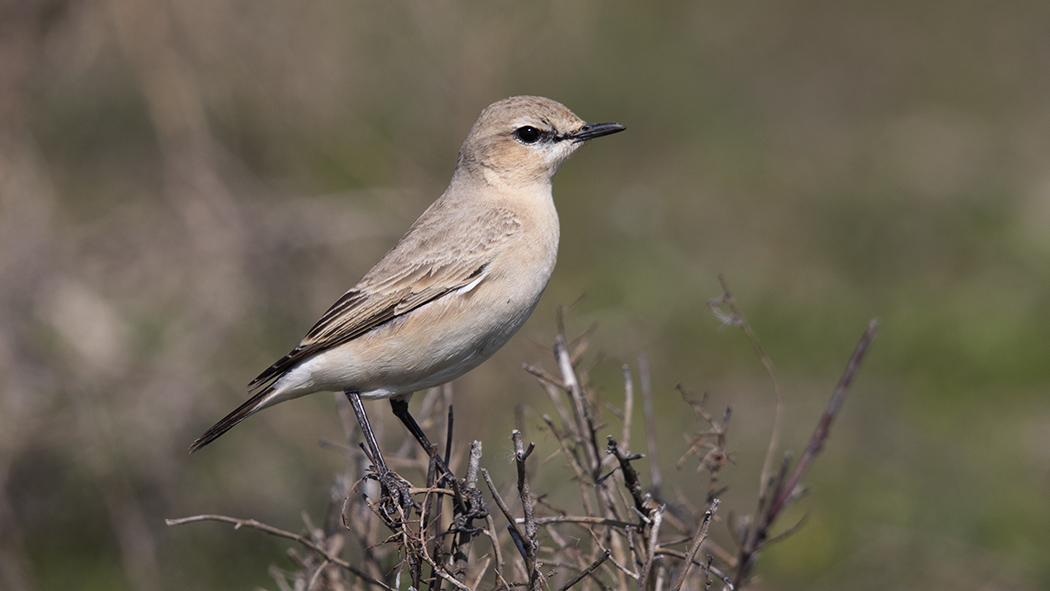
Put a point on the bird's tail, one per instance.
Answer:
(253, 405)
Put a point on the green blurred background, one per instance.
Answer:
(185, 186)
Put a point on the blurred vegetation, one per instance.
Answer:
(186, 186)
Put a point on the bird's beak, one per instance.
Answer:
(592, 130)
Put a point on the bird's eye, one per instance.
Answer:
(528, 134)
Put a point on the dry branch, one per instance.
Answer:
(627, 528)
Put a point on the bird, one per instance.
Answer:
(457, 286)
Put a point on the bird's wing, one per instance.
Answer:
(423, 267)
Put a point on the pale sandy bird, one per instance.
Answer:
(457, 286)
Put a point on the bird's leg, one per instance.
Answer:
(474, 505)
(370, 439)
(400, 408)
(387, 479)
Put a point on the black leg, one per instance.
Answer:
(400, 408)
(394, 484)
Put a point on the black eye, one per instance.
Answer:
(528, 134)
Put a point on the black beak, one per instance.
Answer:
(592, 130)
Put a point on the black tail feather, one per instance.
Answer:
(243, 411)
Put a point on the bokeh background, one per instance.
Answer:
(185, 186)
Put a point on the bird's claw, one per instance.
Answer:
(395, 501)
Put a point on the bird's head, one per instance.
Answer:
(522, 140)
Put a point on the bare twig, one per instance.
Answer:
(628, 405)
(737, 319)
(440, 571)
(698, 540)
(521, 454)
(544, 377)
(583, 573)
(501, 504)
(581, 410)
(583, 519)
(490, 531)
(273, 531)
(623, 533)
(823, 429)
(465, 522)
(707, 566)
(574, 463)
(650, 553)
(786, 483)
(630, 477)
(717, 455)
(655, 477)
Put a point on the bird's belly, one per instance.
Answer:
(430, 345)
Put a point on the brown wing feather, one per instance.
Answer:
(350, 317)
(393, 287)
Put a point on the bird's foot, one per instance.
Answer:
(472, 506)
(395, 501)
